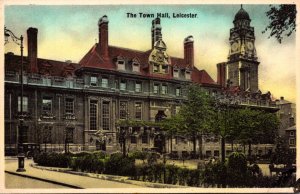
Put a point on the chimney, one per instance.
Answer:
(221, 79)
(156, 31)
(281, 98)
(189, 51)
(32, 49)
(103, 36)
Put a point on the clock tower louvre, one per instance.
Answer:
(242, 64)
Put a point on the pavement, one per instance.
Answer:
(78, 180)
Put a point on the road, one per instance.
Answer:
(14, 182)
(76, 181)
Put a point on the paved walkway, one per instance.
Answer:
(70, 180)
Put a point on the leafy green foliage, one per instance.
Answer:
(52, 159)
(282, 20)
(283, 154)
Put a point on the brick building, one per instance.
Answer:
(80, 103)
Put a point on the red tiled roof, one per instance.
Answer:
(202, 77)
(56, 68)
(93, 59)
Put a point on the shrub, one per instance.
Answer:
(52, 159)
(172, 174)
(118, 165)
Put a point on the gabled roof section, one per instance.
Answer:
(57, 68)
(202, 77)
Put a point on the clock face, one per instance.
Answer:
(250, 45)
(234, 46)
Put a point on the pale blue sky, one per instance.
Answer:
(68, 32)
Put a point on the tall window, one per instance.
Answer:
(47, 105)
(69, 106)
(144, 138)
(138, 87)
(104, 82)
(178, 92)
(93, 114)
(69, 135)
(155, 88)
(105, 116)
(25, 104)
(123, 85)
(123, 109)
(93, 81)
(133, 139)
(138, 110)
(164, 89)
(47, 134)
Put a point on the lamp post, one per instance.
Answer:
(21, 155)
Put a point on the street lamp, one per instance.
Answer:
(21, 155)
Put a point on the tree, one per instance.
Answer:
(282, 20)
(224, 124)
(283, 155)
(255, 126)
(197, 115)
(172, 126)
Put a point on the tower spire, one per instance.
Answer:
(241, 6)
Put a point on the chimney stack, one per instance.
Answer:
(103, 36)
(32, 49)
(189, 51)
(221, 79)
(156, 31)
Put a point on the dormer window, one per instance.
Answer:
(93, 81)
(121, 64)
(155, 68)
(188, 75)
(135, 67)
(176, 73)
(165, 69)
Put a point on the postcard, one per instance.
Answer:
(151, 97)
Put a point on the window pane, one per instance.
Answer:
(47, 105)
(155, 89)
(25, 104)
(123, 85)
(104, 82)
(93, 81)
(105, 116)
(123, 109)
(138, 87)
(69, 106)
(164, 89)
(138, 110)
(177, 91)
(93, 115)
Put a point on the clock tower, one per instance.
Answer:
(242, 65)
